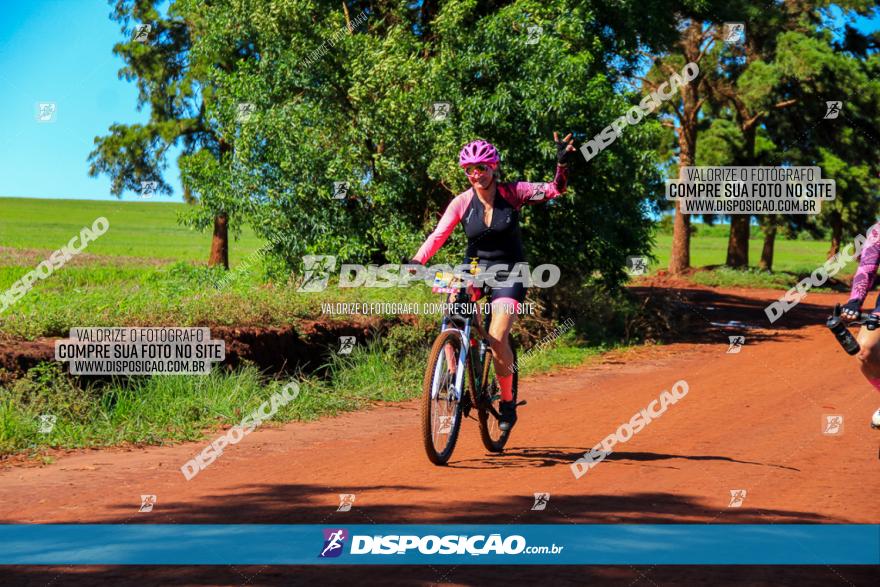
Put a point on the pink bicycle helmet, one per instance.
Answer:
(477, 152)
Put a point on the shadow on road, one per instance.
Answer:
(369, 575)
(312, 504)
(700, 313)
(551, 457)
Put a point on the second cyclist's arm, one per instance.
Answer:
(865, 275)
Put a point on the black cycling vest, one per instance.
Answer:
(499, 243)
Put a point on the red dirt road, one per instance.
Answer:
(751, 421)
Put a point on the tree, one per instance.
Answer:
(747, 80)
(781, 72)
(843, 146)
(174, 83)
(695, 39)
(339, 104)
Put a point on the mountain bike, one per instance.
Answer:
(461, 356)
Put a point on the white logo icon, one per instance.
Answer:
(440, 110)
(245, 109)
(541, 500)
(534, 31)
(340, 190)
(445, 424)
(346, 345)
(47, 423)
(832, 109)
(142, 33)
(147, 503)
(334, 542)
(317, 272)
(734, 33)
(46, 111)
(148, 189)
(832, 424)
(538, 193)
(737, 497)
(346, 500)
(637, 265)
(736, 343)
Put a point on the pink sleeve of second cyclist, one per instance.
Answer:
(452, 216)
(865, 275)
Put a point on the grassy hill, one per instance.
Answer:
(137, 229)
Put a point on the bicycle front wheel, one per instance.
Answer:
(441, 406)
(489, 405)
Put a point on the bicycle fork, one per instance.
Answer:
(460, 367)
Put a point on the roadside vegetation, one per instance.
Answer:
(167, 409)
(121, 284)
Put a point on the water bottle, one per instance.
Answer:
(842, 333)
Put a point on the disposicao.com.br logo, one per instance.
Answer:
(334, 541)
(452, 544)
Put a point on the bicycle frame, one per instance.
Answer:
(448, 323)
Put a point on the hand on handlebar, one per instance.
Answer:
(412, 270)
(851, 310)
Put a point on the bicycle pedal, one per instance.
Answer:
(521, 402)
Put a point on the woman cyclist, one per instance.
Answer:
(869, 340)
(489, 214)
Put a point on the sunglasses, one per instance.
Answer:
(472, 170)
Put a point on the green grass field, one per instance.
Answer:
(150, 230)
(137, 229)
(792, 260)
(794, 256)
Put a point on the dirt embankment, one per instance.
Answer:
(671, 309)
(304, 345)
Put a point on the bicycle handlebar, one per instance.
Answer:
(870, 320)
(841, 332)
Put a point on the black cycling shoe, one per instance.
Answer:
(507, 416)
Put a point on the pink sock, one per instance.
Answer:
(875, 383)
(506, 383)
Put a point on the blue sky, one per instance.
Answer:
(61, 51)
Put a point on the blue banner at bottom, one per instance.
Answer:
(353, 544)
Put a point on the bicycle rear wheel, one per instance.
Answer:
(489, 405)
(441, 409)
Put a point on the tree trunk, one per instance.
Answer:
(220, 242)
(836, 233)
(680, 260)
(738, 243)
(766, 263)
(680, 257)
